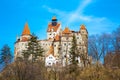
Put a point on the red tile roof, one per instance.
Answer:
(54, 28)
(82, 27)
(66, 31)
(57, 37)
(26, 30)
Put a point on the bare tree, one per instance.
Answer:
(99, 46)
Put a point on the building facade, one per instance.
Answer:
(57, 44)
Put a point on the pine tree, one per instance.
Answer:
(73, 55)
(34, 49)
(73, 51)
(5, 55)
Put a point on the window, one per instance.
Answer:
(50, 57)
(64, 44)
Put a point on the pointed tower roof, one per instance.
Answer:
(82, 27)
(66, 31)
(26, 30)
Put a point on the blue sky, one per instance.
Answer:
(98, 15)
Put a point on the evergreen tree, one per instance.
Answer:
(5, 55)
(34, 49)
(73, 55)
(73, 51)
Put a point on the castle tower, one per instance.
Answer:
(84, 35)
(26, 32)
(53, 28)
(58, 43)
(22, 41)
(84, 32)
(83, 29)
(66, 39)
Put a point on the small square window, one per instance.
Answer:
(64, 44)
(50, 57)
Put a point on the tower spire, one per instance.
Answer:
(26, 30)
(83, 27)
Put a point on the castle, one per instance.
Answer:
(58, 43)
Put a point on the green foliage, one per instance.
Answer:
(34, 49)
(5, 55)
(73, 56)
(74, 51)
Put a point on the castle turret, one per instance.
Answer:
(26, 33)
(54, 21)
(83, 30)
(22, 41)
(26, 30)
(84, 35)
(53, 28)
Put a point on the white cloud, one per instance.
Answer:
(69, 18)
(75, 15)
(56, 11)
